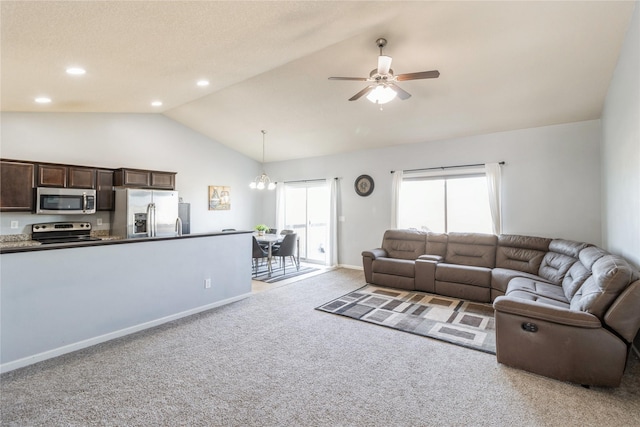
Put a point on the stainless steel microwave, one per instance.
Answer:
(74, 201)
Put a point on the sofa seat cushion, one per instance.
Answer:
(531, 297)
(543, 289)
(500, 278)
(397, 267)
(464, 274)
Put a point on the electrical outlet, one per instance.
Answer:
(14, 224)
(99, 221)
(207, 283)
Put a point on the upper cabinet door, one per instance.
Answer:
(82, 177)
(163, 180)
(16, 191)
(52, 176)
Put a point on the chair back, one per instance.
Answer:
(288, 245)
(272, 231)
(284, 232)
(258, 252)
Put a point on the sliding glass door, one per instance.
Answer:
(307, 213)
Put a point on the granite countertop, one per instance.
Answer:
(24, 240)
(23, 243)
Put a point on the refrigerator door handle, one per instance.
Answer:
(155, 222)
(150, 220)
(178, 227)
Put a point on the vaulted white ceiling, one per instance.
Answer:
(504, 65)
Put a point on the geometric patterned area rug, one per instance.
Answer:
(460, 322)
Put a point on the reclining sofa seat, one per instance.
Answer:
(466, 270)
(581, 334)
(393, 264)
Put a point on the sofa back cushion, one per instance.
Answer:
(521, 253)
(590, 255)
(574, 278)
(561, 256)
(611, 275)
(472, 249)
(437, 244)
(404, 244)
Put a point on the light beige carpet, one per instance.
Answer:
(273, 360)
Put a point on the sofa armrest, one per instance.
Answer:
(544, 312)
(375, 253)
(367, 262)
(429, 257)
(426, 273)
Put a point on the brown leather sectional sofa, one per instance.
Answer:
(563, 309)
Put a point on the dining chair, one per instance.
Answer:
(259, 253)
(282, 233)
(286, 249)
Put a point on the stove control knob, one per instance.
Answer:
(36, 227)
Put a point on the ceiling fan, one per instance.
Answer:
(383, 87)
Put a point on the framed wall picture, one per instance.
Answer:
(219, 198)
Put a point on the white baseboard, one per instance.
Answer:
(49, 354)
(352, 267)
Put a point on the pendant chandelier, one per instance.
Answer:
(262, 181)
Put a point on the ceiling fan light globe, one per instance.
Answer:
(384, 64)
(381, 94)
(252, 185)
(260, 186)
(271, 186)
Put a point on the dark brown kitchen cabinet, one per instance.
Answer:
(50, 175)
(81, 177)
(165, 180)
(104, 190)
(16, 186)
(139, 178)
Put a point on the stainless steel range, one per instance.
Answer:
(62, 232)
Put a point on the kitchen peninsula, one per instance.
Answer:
(59, 298)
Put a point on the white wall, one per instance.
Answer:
(48, 309)
(144, 141)
(551, 182)
(621, 151)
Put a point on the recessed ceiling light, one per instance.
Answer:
(203, 83)
(43, 100)
(76, 71)
(156, 103)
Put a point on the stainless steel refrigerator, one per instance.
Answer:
(146, 213)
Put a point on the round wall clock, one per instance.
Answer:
(364, 185)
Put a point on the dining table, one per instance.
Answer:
(269, 239)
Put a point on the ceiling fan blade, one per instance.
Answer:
(402, 94)
(359, 79)
(384, 63)
(421, 75)
(363, 92)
